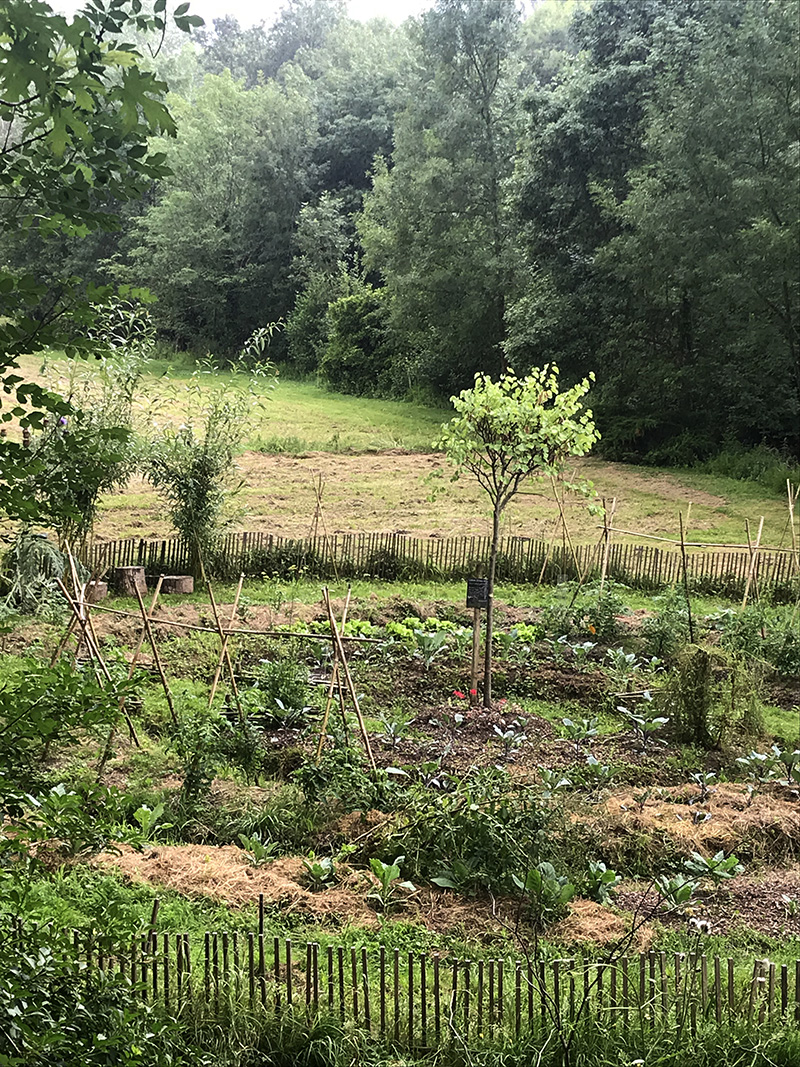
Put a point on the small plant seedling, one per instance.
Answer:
(717, 869)
(386, 894)
(511, 737)
(595, 774)
(148, 820)
(547, 892)
(644, 719)
(622, 666)
(320, 872)
(259, 852)
(600, 881)
(579, 731)
(394, 731)
(552, 782)
(675, 890)
(703, 781)
(429, 645)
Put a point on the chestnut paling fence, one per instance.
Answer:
(422, 1001)
(392, 556)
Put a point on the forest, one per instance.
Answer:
(608, 186)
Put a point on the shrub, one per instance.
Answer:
(711, 696)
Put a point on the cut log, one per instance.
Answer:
(177, 583)
(96, 591)
(128, 579)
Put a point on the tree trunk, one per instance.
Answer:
(128, 579)
(487, 666)
(177, 583)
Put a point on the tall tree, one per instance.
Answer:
(655, 189)
(434, 225)
(215, 245)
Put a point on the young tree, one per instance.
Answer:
(507, 431)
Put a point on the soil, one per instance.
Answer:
(767, 903)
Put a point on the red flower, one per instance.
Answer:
(502, 702)
(473, 692)
(458, 693)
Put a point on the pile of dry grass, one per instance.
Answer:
(768, 828)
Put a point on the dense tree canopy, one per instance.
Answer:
(604, 184)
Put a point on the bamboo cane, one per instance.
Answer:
(225, 640)
(753, 558)
(221, 632)
(348, 679)
(156, 658)
(333, 683)
(608, 521)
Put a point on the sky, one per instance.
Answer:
(249, 12)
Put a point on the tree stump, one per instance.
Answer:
(177, 583)
(96, 591)
(128, 579)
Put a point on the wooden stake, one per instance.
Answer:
(225, 639)
(476, 650)
(156, 657)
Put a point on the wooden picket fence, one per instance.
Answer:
(392, 556)
(420, 1001)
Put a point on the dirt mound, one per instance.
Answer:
(223, 873)
(589, 923)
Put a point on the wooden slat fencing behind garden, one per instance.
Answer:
(421, 1000)
(392, 556)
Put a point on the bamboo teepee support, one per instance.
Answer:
(339, 647)
(221, 632)
(334, 683)
(686, 579)
(94, 651)
(753, 559)
(608, 525)
(565, 527)
(225, 638)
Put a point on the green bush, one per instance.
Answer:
(712, 696)
(56, 1011)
